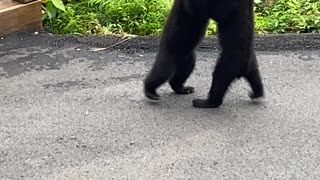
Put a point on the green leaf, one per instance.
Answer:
(59, 4)
(257, 1)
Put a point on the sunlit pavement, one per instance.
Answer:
(67, 112)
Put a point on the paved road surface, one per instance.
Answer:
(69, 113)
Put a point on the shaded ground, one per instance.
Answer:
(69, 113)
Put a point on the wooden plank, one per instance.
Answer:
(21, 17)
(7, 3)
(24, 1)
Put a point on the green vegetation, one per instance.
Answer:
(146, 17)
(284, 16)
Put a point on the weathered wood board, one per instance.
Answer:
(23, 1)
(15, 16)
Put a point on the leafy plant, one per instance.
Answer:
(140, 17)
(289, 16)
(52, 7)
(146, 17)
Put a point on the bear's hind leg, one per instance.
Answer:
(255, 83)
(159, 74)
(182, 73)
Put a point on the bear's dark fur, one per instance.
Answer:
(185, 27)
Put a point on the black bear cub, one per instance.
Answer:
(185, 27)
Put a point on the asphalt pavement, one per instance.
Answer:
(69, 110)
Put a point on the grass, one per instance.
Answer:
(146, 17)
